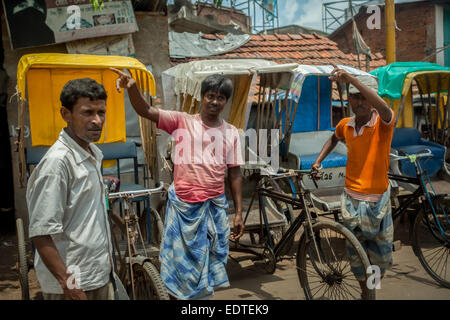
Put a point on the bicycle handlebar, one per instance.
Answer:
(283, 170)
(137, 193)
(411, 157)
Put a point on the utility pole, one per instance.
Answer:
(390, 31)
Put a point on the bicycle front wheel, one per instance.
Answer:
(148, 284)
(323, 265)
(431, 242)
(22, 263)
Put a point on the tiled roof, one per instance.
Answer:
(299, 48)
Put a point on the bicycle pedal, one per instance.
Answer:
(246, 263)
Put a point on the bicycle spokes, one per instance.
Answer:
(328, 267)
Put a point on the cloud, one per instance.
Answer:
(310, 14)
(289, 12)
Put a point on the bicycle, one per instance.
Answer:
(430, 224)
(137, 272)
(23, 264)
(323, 266)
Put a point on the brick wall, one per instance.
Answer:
(415, 41)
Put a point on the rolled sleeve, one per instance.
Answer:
(390, 123)
(46, 200)
(168, 120)
(339, 132)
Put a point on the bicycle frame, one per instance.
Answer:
(132, 230)
(422, 195)
(297, 203)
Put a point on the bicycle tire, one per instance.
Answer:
(159, 226)
(22, 263)
(423, 239)
(148, 284)
(332, 275)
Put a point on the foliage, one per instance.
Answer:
(97, 4)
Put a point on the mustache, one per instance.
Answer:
(95, 128)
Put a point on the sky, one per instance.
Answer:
(306, 13)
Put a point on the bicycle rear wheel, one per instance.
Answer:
(432, 246)
(22, 263)
(324, 270)
(148, 284)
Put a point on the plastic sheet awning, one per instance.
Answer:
(193, 45)
(392, 77)
(186, 78)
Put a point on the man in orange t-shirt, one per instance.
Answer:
(365, 202)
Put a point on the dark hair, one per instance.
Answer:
(81, 88)
(217, 83)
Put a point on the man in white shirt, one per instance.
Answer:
(66, 203)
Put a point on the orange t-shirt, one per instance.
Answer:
(368, 154)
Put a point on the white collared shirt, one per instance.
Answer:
(65, 198)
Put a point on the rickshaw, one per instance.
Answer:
(418, 93)
(40, 79)
(263, 100)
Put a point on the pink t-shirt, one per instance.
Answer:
(202, 155)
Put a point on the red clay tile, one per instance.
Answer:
(209, 36)
(269, 37)
(379, 55)
(295, 36)
(307, 36)
(255, 37)
(325, 54)
(282, 37)
(298, 55)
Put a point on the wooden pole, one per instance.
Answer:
(390, 31)
(20, 142)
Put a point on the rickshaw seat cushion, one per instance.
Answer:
(410, 141)
(118, 150)
(405, 136)
(430, 165)
(35, 154)
(333, 160)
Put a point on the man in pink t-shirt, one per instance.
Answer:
(194, 249)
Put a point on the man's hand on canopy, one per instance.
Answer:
(124, 80)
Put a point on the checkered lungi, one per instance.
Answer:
(371, 223)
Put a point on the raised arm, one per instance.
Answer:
(138, 102)
(372, 97)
